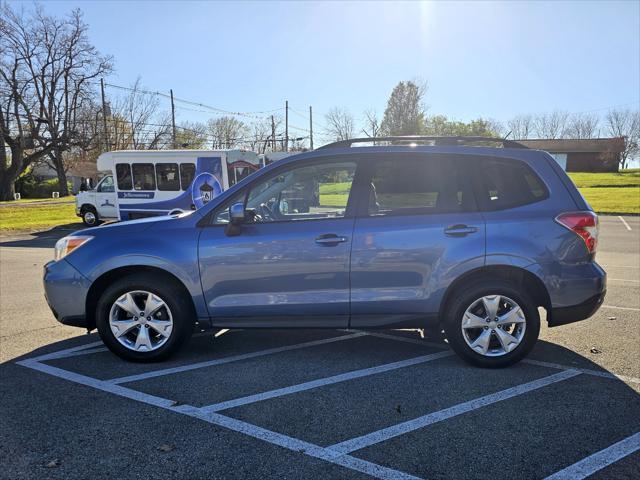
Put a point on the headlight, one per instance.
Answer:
(66, 245)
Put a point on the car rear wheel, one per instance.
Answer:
(143, 319)
(90, 217)
(492, 324)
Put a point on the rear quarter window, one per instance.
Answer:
(505, 183)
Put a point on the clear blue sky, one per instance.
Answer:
(494, 59)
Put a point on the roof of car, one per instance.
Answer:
(363, 152)
(414, 140)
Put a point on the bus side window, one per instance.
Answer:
(167, 177)
(123, 174)
(144, 177)
(187, 172)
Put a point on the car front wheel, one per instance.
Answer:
(492, 324)
(142, 319)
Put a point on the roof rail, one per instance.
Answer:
(460, 140)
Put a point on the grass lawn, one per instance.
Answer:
(334, 194)
(610, 192)
(36, 217)
(68, 199)
(613, 199)
(622, 179)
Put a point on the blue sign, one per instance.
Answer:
(136, 194)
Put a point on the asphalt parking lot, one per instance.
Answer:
(319, 403)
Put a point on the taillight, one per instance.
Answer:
(584, 224)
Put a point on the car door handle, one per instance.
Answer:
(459, 230)
(330, 239)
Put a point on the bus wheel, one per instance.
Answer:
(90, 217)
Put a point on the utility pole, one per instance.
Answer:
(173, 119)
(310, 127)
(273, 134)
(286, 126)
(104, 116)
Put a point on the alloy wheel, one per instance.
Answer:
(493, 325)
(141, 321)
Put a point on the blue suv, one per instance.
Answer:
(466, 235)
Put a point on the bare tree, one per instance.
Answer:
(371, 124)
(191, 135)
(625, 124)
(226, 132)
(47, 69)
(550, 125)
(496, 127)
(582, 125)
(340, 125)
(259, 136)
(521, 127)
(141, 112)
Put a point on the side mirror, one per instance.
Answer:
(236, 214)
(236, 219)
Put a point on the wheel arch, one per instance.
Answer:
(85, 206)
(515, 275)
(118, 273)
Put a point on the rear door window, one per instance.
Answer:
(144, 177)
(123, 174)
(505, 183)
(168, 177)
(418, 186)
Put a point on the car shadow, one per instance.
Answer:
(41, 239)
(203, 347)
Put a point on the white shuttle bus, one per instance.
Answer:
(144, 183)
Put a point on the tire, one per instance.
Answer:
(90, 216)
(464, 307)
(176, 318)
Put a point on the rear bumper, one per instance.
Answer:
(565, 315)
(575, 291)
(65, 290)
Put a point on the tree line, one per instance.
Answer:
(406, 114)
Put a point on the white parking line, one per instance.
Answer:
(556, 366)
(339, 453)
(343, 377)
(98, 384)
(586, 371)
(384, 434)
(632, 309)
(622, 280)
(68, 352)
(599, 460)
(624, 222)
(297, 445)
(290, 443)
(416, 341)
(234, 358)
(82, 352)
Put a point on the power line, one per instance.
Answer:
(196, 104)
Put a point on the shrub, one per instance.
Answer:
(30, 186)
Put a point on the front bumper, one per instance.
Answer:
(575, 313)
(65, 290)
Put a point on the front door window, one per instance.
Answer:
(304, 193)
